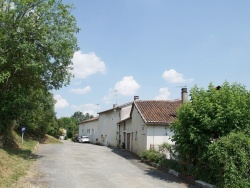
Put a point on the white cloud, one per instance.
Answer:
(87, 64)
(81, 90)
(60, 102)
(77, 83)
(127, 86)
(163, 94)
(108, 98)
(174, 77)
(86, 108)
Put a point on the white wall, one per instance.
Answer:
(90, 129)
(158, 134)
(143, 135)
(108, 132)
(138, 133)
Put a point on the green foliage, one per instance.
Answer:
(153, 156)
(39, 116)
(159, 157)
(70, 124)
(228, 159)
(208, 134)
(210, 114)
(164, 148)
(81, 117)
(37, 44)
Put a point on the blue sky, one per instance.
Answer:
(151, 48)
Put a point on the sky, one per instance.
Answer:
(152, 48)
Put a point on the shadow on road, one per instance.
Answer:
(151, 171)
(25, 154)
(125, 154)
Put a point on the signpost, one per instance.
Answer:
(23, 130)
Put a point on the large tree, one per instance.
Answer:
(80, 116)
(210, 114)
(37, 43)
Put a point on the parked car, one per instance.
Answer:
(83, 139)
(76, 138)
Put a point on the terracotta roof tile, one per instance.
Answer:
(158, 111)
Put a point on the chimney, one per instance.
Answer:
(136, 98)
(184, 94)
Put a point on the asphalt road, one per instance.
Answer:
(75, 165)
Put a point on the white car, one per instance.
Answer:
(83, 139)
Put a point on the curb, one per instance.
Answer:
(197, 183)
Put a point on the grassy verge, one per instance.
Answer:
(15, 162)
(51, 140)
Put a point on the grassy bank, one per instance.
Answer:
(14, 162)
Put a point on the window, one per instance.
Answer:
(88, 131)
(135, 135)
(82, 130)
(143, 129)
(132, 136)
(93, 132)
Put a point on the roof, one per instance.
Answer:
(88, 120)
(117, 107)
(125, 112)
(157, 111)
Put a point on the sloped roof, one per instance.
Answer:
(88, 120)
(125, 112)
(157, 111)
(117, 107)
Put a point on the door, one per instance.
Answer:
(128, 141)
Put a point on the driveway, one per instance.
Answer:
(75, 165)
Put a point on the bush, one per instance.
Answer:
(153, 156)
(227, 163)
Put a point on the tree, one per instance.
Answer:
(229, 161)
(36, 47)
(81, 117)
(70, 124)
(39, 115)
(209, 115)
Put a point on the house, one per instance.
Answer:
(89, 128)
(107, 125)
(136, 126)
(148, 124)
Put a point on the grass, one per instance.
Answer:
(15, 162)
(51, 140)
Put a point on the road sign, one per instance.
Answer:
(23, 129)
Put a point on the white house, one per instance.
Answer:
(89, 128)
(108, 134)
(136, 126)
(148, 124)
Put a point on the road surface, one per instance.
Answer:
(77, 165)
